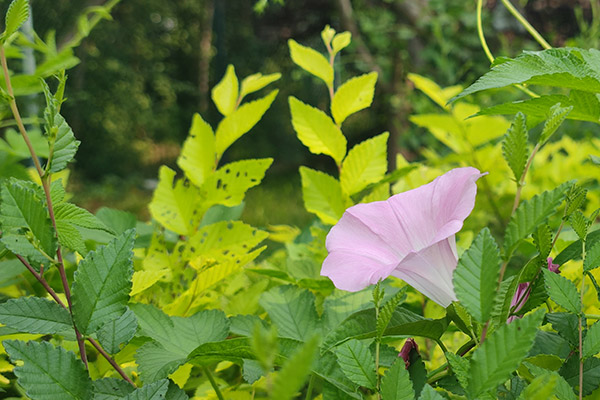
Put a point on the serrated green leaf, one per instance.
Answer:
(541, 388)
(111, 389)
(341, 41)
(156, 362)
(198, 155)
(566, 324)
(366, 163)
(65, 145)
(311, 61)
(21, 208)
(48, 372)
(255, 82)
(592, 257)
(579, 223)
(57, 191)
(557, 116)
(514, 146)
(357, 362)
(565, 67)
(562, 291)
(530, 214)
(429, 393)
(591, 343)
(501, 308)
(174, 203)
(225, 93)
(239, 122)
(575, 199)
(591, 374)
(354, 95)
(152, 391)
(396, 384)
(16, 15)
(476, 276)
(292, 310)
(317, 131)
(387, 311)
(70, 237)
(562, 389)
(117, 220)
(78, 216)
(460, 366)
(323, 196)
(502, 352)
(35, 315)
(102, 283)
(117, 332)
(229, 184)
(542, 238)
(293, 373)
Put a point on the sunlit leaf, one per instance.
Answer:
(366, 163)
(198, 157)
(225, 93)
(312, 61)
(354, 95)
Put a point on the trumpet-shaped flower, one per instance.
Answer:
(410, 236)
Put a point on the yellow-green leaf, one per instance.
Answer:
(341, 41)
(142, 280)
(225, 93)
(327, 34)
(354, 95)
(197, 158)
(323, 195)
(317, 131)
(233, 126)
(311, 61)
(255, 82)
(173, 205)
(435, 93)
(366, 163)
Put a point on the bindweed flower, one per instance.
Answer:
(410, 236)
(408, 346)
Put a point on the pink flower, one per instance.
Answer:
(408, 346)
(409, 236)
(553, 267)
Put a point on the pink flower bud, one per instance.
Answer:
(408, 346)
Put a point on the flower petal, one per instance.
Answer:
(430, 271)
(354, 272)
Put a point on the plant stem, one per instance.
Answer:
(309, 390)
(377, 344)
(111, 361)
(526, 24)
(581, 332)
(592, 316)
(213, 383)
(521, 183)
(484, 45)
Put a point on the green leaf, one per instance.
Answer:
(111, 389)
(579, 223)
(236, 124)
(155, 362)
(502, 352)
(591, 343)
(429, 393)
(530, 214)
(340, 41)
(229, 184)
(557, 116)
(198, 155)
(117, 332)
(225, 93)
(293, 373)
(327, 35)
(565, 67)
(78, 216)
(592, 257)
(153, 391)
(575, 199)
(396, 384)
(48, 372)
(311, 61)
(562, 291)
(366, 163)
(255, 82)
(173, 204)
(292, 310)
(541, 388)
(566, 324)
(102, 283)
(16, 15)
(357, 362)
(35, 315)
(460, 366)
(323, 196)
(562, 390)
(591, 374)
(542, 238)
(65, 145)
(354, 95)
(317, 131)
(514, 146)
(117, 220)
(476, 276)
(387, 311)
(21, 208)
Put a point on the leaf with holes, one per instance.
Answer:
(366, 163)
(35, 315)
(323, 196)
(311, 61)
(102, 283)
(514, 146)
(48, 372)
(198, 155)
(225, 93)
(354, 95)
(356, 360)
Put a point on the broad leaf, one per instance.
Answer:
(591, 343)
(357, 362)
(502, 352)
(144, 279)
(366, 163)
(225, 93)
(198, 156)
(540, 388)
(476, 276)
(152, 391)
(387, 311)
(562, 390)
(433, 91)
(311, 61)
(35, 315)
(566, 324)
(117, 332)
(255, 82)
(429, 393)
(317, 131)
(78, 216)
(396, 384)
(102, 284)
(592, 257)
(323, 195)
(340, 41)
(16, 15)
(292, 375)
(591, 373)
(111, 389)
(514, 146)
(354, 95)
(48, 372)
(117, 220)
(542, 238)
(562, 291)
(65, 145)
(70, 237)
(236, 124)
(460, 367)
(556, 117)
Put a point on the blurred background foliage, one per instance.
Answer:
(142, 75)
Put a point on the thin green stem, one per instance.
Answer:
(484, 45)
(377, 345)
(581, 331)
(432, 374)
(311, 383)
(213, 383)
(526, 24)
(592, 316)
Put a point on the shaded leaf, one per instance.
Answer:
(293, 373)
(117, 332)
(35, 315)
(591, 343)
(357, 362)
